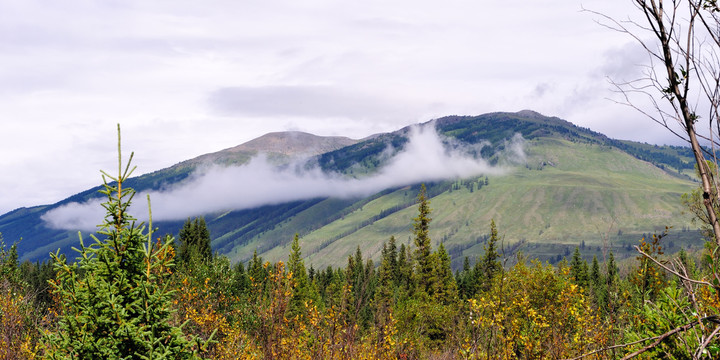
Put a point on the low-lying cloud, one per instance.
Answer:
(218, 188)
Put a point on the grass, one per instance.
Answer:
(584, 193)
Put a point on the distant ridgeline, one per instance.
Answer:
(535, 210)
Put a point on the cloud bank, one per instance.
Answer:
(216, 189)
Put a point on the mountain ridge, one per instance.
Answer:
(236, 232)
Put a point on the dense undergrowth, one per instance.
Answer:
(409, 306)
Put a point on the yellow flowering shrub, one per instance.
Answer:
(531, 312)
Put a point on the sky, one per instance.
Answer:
(185, 78)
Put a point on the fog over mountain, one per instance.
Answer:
(215, 189)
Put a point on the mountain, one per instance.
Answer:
(281, 145)
(549, 185)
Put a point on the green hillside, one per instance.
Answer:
(575, 186)
(583, 193)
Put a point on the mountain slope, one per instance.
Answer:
(572, 186)
(588, 190)
(36, 240)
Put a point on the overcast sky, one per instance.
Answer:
(185, 78)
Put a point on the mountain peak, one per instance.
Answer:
(294, 143)
(530, 114)
(284, 143)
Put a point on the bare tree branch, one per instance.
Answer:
(671, 270)
(705, 343)
(657, 339)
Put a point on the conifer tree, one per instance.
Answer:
(351, 282)
(386, 284)
(392, 256)
(311, 273)
(384, 294)
(585, 274)
(113, 303)
(610, 287)
(595, 280)
(241, 280)
(301, 288)
(612, 271)
(194, 239)
(446, 291)
(9, 269)
(578, 269)
(489, 265)
(424, 259)
(404, 269)
(464, 280)
(296, 265)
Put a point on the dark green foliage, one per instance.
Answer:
(242, 280)
(675, 157)
(424, 259)
(113, 301)
(329, 284)
(367, 152)
(465, 280)
(489, 266)
(37, 276)
(445, 287)
(579, 269)
(498, 127)
(384, 295)
(595, 276)
(194, 242)
(256, 271)
(9, 267)
(611, 271)
(296, 265)
(302, 290)
(267, 218)
(404, 269)
(362, 281)
(391, 254)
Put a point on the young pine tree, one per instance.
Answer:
(113, 304)
(446, 291)
(424, 258)
(489, 265)
(579, 269)
(384, 294)
(301, 283)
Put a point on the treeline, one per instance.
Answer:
(668, 155)
(367, 153)
(125, 296)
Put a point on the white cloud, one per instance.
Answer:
(424, 158)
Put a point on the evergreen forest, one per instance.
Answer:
(132, 294)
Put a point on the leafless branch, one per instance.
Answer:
(685, 278)
(660, 338)
(656, 339)
(705, 343)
